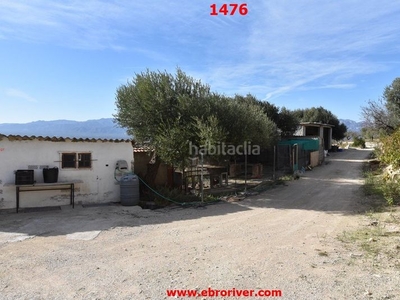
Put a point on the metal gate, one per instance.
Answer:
(291, 158)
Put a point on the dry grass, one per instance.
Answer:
(378, 241)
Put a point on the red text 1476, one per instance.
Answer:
(229, 9)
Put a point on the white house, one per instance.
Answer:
(88, 163)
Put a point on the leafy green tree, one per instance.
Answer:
(285, 120)
(369, 133)
(210, 131)
(169, 112)
(157, 108)
(270, 110)
(359, 142)
(322, 115)
(392, 96)
(339, 131)
(156, 101)
(390, 154)
(242, 119)
(252, 125)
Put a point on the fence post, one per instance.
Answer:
(274, 166)
(201, 180)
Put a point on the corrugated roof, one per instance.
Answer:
(316, 124)
(60, 139)
(307, 143)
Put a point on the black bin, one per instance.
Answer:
(50, 175)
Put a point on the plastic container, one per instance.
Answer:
(50, 175)
(129, 185)
(24, 177)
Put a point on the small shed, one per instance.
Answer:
(317, 129)
(297, 152)
(88, 163)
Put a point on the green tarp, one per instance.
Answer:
(305, 144)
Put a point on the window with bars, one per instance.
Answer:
(75, 160)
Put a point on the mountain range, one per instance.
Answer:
(352, 125)
(101, 128)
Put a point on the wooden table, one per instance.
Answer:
(47, 187)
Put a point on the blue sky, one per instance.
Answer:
(65, 59)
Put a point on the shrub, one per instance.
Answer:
(390, 154)
(391, 192)
(359, 142)
(383, 186)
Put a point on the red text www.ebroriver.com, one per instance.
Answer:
(224, 293)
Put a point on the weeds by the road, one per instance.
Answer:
(378, 240)
(381, 182)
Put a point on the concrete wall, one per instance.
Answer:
(97, 183)
(323, 131)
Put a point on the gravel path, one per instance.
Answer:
(283, 239)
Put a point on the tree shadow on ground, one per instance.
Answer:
(333, 188)
(64, 221)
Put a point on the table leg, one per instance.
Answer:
(73, 195)
(17, 189)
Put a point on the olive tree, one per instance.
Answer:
(171, 112)
(320, 114)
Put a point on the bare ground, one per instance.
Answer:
(286, 238)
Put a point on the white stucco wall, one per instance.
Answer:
(98, 184)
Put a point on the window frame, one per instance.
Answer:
(78, 163)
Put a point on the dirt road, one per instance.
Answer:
(283, 239)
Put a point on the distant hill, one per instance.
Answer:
(102, 128)
(352, 125)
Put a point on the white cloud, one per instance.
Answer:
(310, 45)
(280, 46)
(20, 94)
(92, 24)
